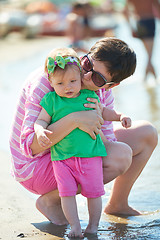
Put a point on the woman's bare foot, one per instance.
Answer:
(50, 206)
(121, 210)
(75, 232)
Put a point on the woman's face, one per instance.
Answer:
(87, 82)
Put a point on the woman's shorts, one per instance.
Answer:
(43, 179)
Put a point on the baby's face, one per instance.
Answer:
(67, 84)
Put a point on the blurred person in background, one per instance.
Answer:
(78, 28)
(145, 13)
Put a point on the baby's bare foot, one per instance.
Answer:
(75, 233)
(91, 229)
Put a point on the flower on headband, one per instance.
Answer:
(71, 59)
(61, 62)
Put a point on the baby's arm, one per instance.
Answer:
(40, 126)
(111, 115)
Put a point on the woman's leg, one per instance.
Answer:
(117, 161)
(148, 43)
(49, 205)
(69, 207)
(94, 209)
(44, 184)
(142, 138)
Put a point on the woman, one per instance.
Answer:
(107, 64)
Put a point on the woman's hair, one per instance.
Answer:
(117, 56)
(64, 52)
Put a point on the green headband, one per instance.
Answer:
(61, 62)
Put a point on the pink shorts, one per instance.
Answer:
(43, 179)
(87, 172)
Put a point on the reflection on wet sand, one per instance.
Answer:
(141, 227)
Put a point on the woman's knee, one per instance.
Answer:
(142, 135)
(119, 158)
(125, 158)
(48, 199)
(151, 134)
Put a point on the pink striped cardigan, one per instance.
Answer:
(28, 109)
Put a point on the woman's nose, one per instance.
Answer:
(88, 75)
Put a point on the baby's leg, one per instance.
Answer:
(95, 209)
(69, 207)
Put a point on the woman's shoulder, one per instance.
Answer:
(37, 82)
(38, 77)
(50, 94)
(102, 93)
(106, 97)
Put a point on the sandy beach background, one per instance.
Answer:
(19, 217)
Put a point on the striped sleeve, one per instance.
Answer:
(107, 100)
(33, 95)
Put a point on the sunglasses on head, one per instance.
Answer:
(97, 77)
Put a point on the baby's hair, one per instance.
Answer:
(64, 52)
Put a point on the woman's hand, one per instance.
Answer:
(89, 122)
(95, 104)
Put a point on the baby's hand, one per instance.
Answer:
(42, 138)
(125, 121)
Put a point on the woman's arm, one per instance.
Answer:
(88, 121)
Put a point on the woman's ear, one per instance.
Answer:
(114, 85)
(82, 75)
